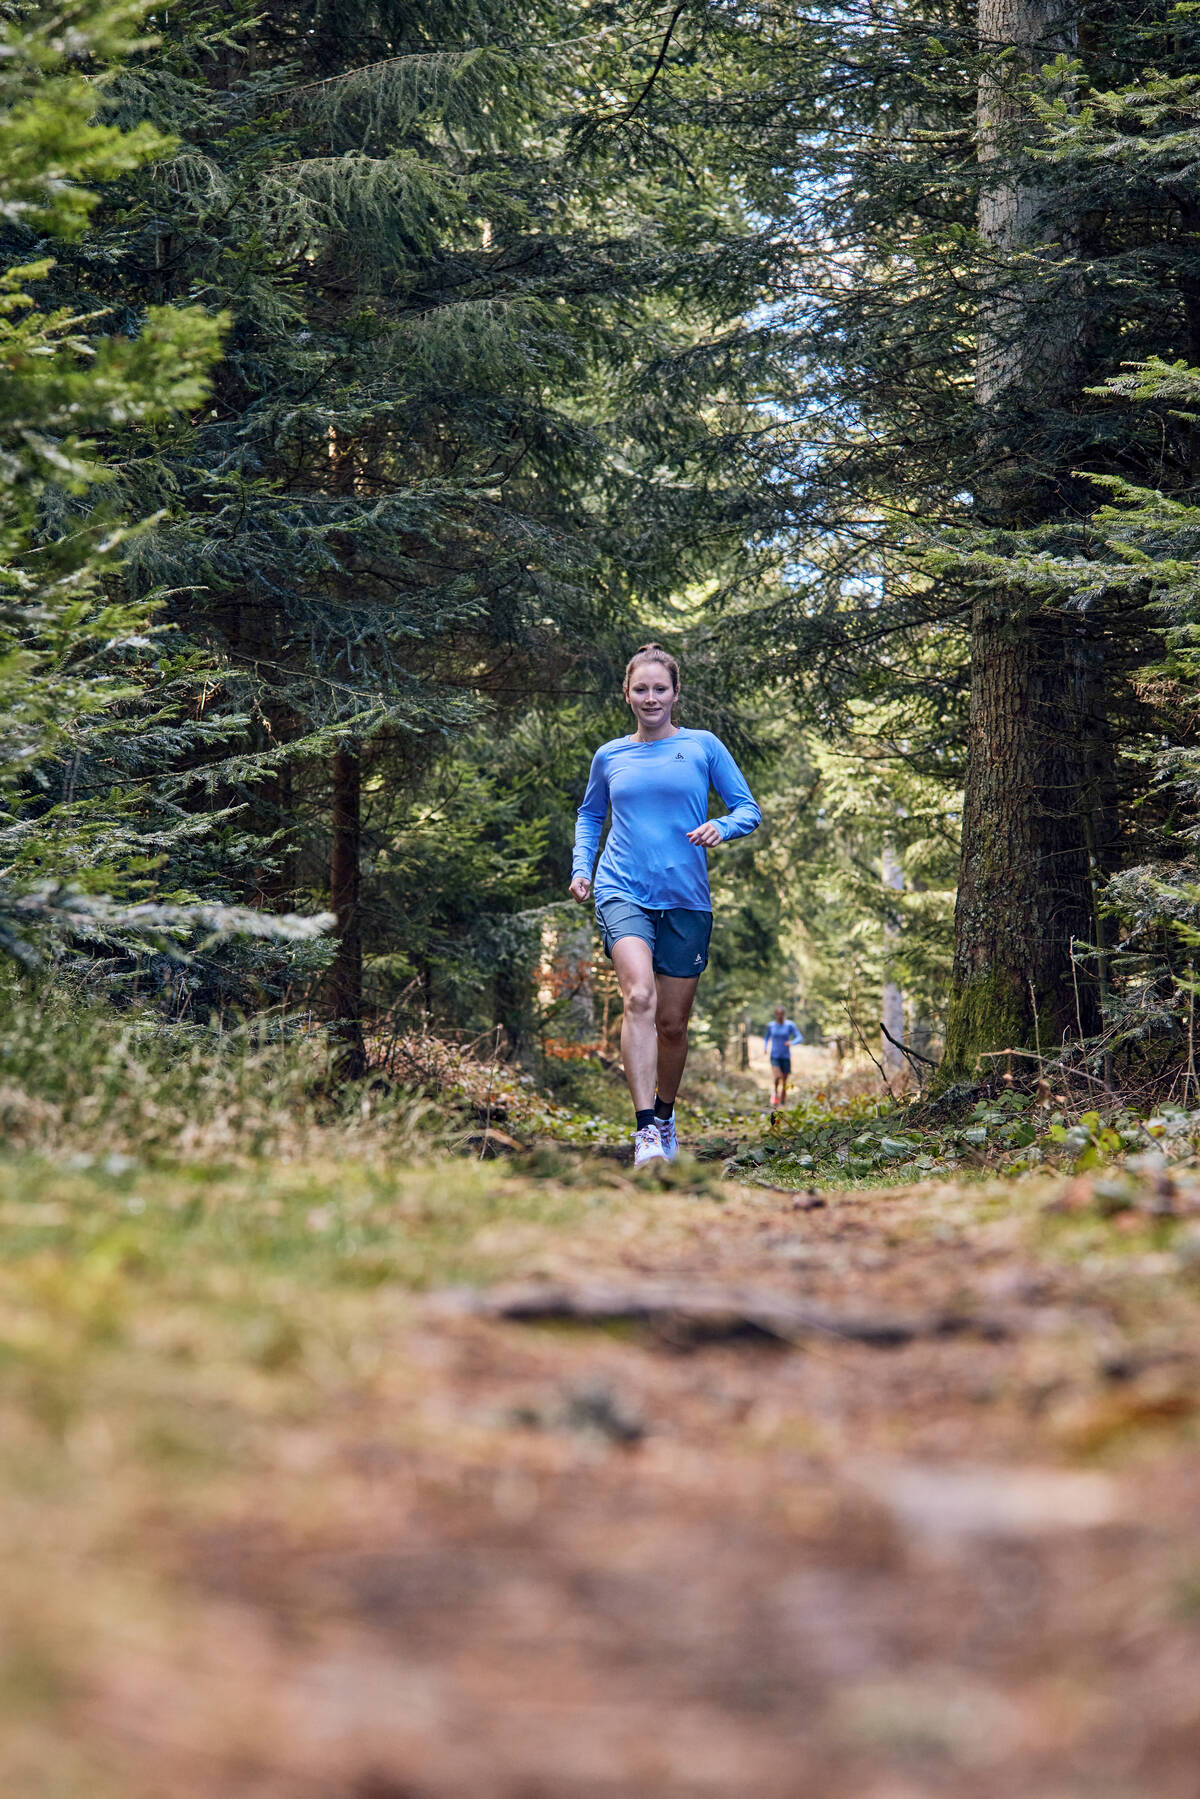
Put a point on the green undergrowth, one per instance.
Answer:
(866, 1142)
(79, 1074)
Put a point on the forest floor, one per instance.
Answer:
(465, 1480)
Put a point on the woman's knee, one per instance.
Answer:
(640, 999)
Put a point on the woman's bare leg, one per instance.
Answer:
(634, 965)
(676, 995)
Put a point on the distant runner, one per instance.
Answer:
(652, 898)
(780, 1035)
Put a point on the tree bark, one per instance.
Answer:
(1026, 877)
(1024, 887)
(892, 1003)
(346, 973)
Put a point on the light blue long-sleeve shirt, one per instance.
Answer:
(658, 792)
(780, 1037)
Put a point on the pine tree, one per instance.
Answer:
(962, 283)
(470, 410)
(1024, 892)
(76, 655)
(1128, 152)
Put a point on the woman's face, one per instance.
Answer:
(650, 694)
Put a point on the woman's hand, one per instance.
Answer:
(580, 888)
(708, 835)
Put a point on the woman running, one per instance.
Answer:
(652, 899)
(778, 1039)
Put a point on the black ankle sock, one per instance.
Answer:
(663, 1107)
(645, 1117)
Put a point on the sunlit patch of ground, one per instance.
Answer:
(279, 1520)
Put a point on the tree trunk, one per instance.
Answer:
(892, 1004)
(1025, 885)
(574, 967)
(345, 975)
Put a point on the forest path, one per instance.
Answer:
(299, 1529)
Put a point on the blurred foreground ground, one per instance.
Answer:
(281, 1520)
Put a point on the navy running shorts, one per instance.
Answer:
(677, 935)
(782, 1063)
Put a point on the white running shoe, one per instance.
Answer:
(669, 1137)
(647, 1146)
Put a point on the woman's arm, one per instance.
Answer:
(743, 815)
(589, 824)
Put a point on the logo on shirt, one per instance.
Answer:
(679, 755)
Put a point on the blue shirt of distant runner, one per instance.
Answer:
(778, 1039)
(658, 792)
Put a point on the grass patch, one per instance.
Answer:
(323, 1223)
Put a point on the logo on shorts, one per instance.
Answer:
(699, 958)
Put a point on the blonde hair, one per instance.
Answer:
(652, 652)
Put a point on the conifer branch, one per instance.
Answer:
(621, 118)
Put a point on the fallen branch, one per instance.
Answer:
(686, 1316)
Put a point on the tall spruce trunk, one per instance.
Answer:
(345, 985)
(1026, 878)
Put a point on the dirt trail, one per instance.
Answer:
(523, 1561)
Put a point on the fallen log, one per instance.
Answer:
(687, 1316)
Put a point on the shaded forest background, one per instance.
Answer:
(375, 376)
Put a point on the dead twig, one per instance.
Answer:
(1190, 1077)
(854, 1024)
(914, 1055)
(1075, 1074)
(491, 1089)
(1075, 985)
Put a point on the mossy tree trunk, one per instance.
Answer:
(1027, 876)
(1024, 885)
